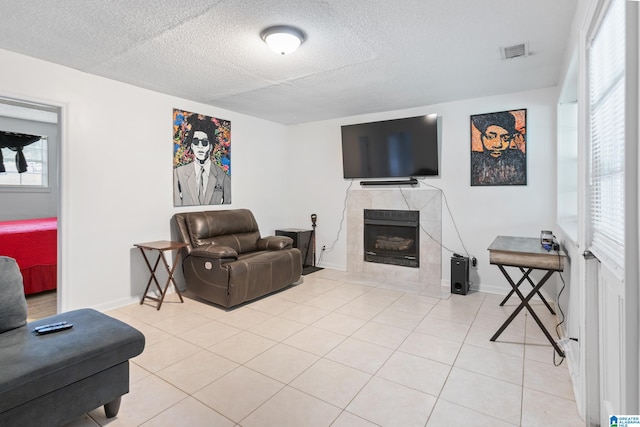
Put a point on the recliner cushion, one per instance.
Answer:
(237, 229)
(13, 305)
(259, 273)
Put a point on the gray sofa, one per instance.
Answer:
(227, 262)
(50, 380)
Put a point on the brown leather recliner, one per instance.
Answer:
(227, 262)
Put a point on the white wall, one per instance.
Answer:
(117, 183)
(481, 213)
(116, 174)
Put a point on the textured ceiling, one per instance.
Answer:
(360, 56)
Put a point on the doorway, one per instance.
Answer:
(30, 197)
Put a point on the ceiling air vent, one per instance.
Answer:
(515, 51)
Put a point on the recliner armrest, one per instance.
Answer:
(275, 243)
(215, 252)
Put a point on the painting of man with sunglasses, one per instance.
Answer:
(201, 174)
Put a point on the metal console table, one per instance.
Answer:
(527, 254)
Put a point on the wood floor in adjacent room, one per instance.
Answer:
(41, 305)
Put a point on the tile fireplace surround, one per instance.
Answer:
(429, 203)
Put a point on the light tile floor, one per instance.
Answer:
(339, 351)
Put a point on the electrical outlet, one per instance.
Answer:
(474, 262)
(324, 247)
(565, 344)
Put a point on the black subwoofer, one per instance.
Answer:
(459, 275)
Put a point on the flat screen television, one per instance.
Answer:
(391, 148)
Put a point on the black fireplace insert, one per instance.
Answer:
(392, 237)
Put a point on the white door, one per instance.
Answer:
(611, 298)
(613, 202)
(591, 346)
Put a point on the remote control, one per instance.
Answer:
(52, 329)
(37, 328)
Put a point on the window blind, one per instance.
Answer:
(607, 149)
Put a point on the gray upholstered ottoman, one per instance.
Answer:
(55, 378)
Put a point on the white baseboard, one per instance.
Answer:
(332, 266)
(112, 305)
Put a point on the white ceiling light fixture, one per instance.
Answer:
(282, 39)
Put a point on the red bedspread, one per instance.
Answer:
(34, 245)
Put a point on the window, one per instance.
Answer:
(567, 171)
(606, 62)
(36, 175)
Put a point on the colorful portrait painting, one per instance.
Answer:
(201, 159)
(499, 148)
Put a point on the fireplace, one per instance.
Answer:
(392, 237)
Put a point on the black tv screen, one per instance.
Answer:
(391, 148)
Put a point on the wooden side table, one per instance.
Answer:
(161, 246)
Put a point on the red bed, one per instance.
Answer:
(34, 245)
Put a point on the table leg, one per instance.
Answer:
(540, 294)
(525, 303)
(170, 279)
(526, 276)
(153, 278)
(536, 289)
(511, 292)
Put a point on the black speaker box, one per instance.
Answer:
(302, 240)
(459, 275)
